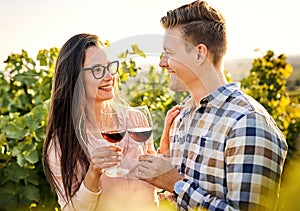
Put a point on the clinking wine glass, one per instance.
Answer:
(113, 129)
(139, 125)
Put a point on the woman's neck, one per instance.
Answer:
(93, 114)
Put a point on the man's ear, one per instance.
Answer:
(198, 56)
(201, 53)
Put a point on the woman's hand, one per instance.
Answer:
(171, 114)
(101, 158)
(105, 157)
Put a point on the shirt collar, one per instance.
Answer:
(219, 96)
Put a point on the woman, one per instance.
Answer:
(75, 154)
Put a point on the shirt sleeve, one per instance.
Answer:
(254, 156)
(83, 199)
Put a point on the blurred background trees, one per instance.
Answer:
(25, 92)
(25, 87)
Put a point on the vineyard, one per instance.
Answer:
(25, 91)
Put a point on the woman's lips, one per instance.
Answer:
(106, 88)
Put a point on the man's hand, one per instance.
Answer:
(157, 171)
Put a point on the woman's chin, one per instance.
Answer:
(105, 97)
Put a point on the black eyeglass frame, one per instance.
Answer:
(105, 68)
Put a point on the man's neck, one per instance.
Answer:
(209, 80)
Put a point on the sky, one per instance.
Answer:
(33, 25)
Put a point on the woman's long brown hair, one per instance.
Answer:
(61, 132)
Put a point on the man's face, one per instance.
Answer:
(179, 61)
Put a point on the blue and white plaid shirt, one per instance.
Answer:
(231, 152)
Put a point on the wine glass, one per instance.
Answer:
(139, 125)
(113, 129)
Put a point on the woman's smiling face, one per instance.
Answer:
(98, 89)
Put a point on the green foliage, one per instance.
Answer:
(25, 90)
(293, 130)
(290, 186)
(228, 76)
(267, 84)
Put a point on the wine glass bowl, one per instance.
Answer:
(139, 124)
(140, 134)
(113, 136)
(113, 130)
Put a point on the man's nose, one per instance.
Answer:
(164, 61)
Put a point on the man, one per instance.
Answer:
(226, 151)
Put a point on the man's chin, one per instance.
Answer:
(177, 89)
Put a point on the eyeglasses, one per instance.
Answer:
(98, 70)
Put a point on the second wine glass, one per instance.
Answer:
(139, 125)
(113, 129)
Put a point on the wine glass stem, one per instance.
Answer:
(144, 148)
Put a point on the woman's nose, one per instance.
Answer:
(108, 75)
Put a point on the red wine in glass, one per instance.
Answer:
(113, 136)
(139, 125)
(113, 129)
(140, 134)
